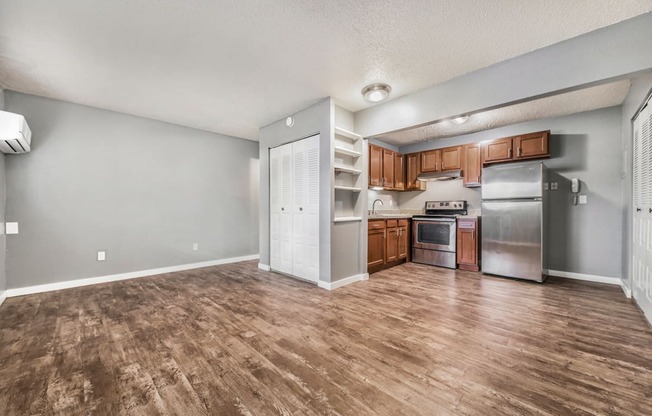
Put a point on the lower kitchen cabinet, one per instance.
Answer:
(468, 257)
(388, 243)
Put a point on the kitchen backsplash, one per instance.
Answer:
(435, 191)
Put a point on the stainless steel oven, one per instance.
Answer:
(434, 235)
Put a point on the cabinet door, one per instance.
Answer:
(388, 169)
(403, 239)
(376, 244)
(412, 169)
(286, 205)
(275, 208)
(391, 249)
(529, 146)
(451, 158)
(430, 161)
(375, 165)
(472, 169)
(466, 246)
(498, 150)
(399, 172)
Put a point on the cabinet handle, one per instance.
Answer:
(442, 165)
(282, 209)
(435, 165)
(519, 153)
(509, 153)
(300, 208)
(650, 210)
(384, 233)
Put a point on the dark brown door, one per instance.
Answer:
(375, 165)
(498, 150)
(388, 169)
(391, 250)
(412, 169)
(532, 145)
(451, 158)
(472, 165)
(399, 172)
(376, 244)
(430, 161)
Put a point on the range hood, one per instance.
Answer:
(15, 135)
(440, 176)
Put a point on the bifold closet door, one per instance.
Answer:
(641, 265)
(294, 208)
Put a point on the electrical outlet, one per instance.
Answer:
(11, 228)
(195, 246)
(101, 255)
(554, 186)
(583, 199)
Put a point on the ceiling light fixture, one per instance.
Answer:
(460, 119)
(376, 92)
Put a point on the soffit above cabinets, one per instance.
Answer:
(593, 98)
(231, 67)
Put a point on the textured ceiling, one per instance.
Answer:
(602, 96)
(233, 66)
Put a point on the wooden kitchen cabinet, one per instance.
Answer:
(451, 158)
(388, 168)
(472, 169)
(376, 244)
(468, 244)
(388, 243)
(391, 242)
(375, 165)
(531, 146)
(498, 151)
(399, 172)
(431, 160)
(412, 170)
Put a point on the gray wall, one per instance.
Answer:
(583, 238)
(142, 190)
(310, 121)
(641, 86)
(605, 54)
(3, 199)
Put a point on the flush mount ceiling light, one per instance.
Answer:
(376, 92)
(460, 119)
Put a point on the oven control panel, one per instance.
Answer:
(446, 205)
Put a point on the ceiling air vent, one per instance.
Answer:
(15, 135)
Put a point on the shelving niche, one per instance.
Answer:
(348, 167)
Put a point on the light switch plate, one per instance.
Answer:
(11, 228)
(195, 246)
(101, 255)
(583, 199)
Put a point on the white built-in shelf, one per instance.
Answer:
(347, 188)
(347, 152)
(347, 169)
(347, 219)
(348, 134)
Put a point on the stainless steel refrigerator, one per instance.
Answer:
(514, 217)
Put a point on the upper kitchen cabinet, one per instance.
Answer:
(472, 167)
(375, 165)
(531, 146)
(412, 170)
(388, 168)
(523, 147)
(430, 160)
(499, 150)
(451, 158)
(399, 172)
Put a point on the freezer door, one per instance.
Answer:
(512, 239)
(522, 180)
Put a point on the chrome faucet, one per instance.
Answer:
(373, 206)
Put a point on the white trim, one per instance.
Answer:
(265, 267)
(3, 296)
(626, 289)
(587, 277)
(122, 276)
(343, 282)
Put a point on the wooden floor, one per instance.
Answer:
(414, 340)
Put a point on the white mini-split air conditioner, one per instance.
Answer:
(15, 135)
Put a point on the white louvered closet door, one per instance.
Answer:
(641, 265)
(294, 208)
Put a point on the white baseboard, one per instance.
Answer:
(265, 267)
(626, 289)
(3, 296)
(587, 277)
(122, 276)
(343, 282)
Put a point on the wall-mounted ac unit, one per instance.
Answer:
(15, 135)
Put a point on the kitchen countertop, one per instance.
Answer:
(390, 216)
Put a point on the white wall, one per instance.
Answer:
(142, 190)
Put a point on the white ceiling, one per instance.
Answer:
(233, 66)
(601, 96)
